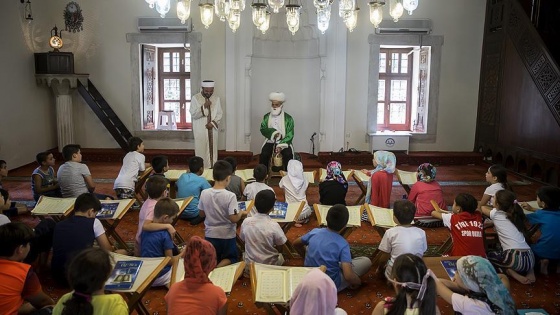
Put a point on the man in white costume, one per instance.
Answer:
(206, 114)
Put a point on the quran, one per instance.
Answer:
(275, 284)
(123, 276)
(174, 174)
(107, 210)
(407, 178)
(360, 176)
(450, 266)
(50, 205)
(323, 174)
(354, 219)
(224, 277)
(310, 176)
(246, 175)
(279, 211)
(183, 202)
(380, 216)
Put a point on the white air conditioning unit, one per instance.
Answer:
(420, 26)
(157, 24)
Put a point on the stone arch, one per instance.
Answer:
(522, 166)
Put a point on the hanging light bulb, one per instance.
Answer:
(163, 6)
(221, 8)
(264, 27)
(345, 8)
(410, 5)
(206, 14)
(183, 10)
(321, 4)
(376, 12)
(259, 13)
(234, 19)
(276, 5)
(237, 5)
(396, 9)
(323, 18)
(292, 17)
(352, 20)
(151, 3)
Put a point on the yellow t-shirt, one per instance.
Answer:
(112, 304)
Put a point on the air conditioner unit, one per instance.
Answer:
(421, 26)
(157, 24)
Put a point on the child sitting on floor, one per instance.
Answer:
(295, 186)
(425, 190)
(465, 224)
(43, 178)
(263, 237)
(416, 290)
(87, 275)
(159, 243)
(221, 212)
(134, 164)
(402, 239)
(548, 218)
(236, 184)
(333, 189)
(315, 295)
(326, 247)
(496, 176)
(515, 255)
(260, 173)
(160, 165)
(192, 184)
(381, 180)
(476, 288)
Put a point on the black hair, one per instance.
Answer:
(2, 163)
(195, 164)
(264, 201)
(5, 194)
(259, 172)
(411, 268)
(42, 157)
(13, 235)
(505, 201)
(467, 202)
(232, 161)
(337, 217)
(69, 150)
(550, 196)
(87, 201)
(166, 206)
(155, 186)
(133, 143)
(404, 211)
(159, 162)
(87, 273)
(221, 170)
(500, 172)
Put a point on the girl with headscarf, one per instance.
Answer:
(425, 190)
(333, 189)
(476, 288)
(196, 294)
(295, 186)
(315, 295)
(381, 180)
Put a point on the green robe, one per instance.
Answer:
(267, 132)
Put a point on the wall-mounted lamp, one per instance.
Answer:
(27, 13)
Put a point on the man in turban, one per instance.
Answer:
(206, 114)
(278, 129)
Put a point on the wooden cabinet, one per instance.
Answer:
(54, 63)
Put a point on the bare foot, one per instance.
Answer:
(544, 266)
(530, 278)
(298, 225)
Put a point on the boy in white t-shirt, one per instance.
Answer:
(260, 173)
(402, 239)
(134, 163)
(221, 212)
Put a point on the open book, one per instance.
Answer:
(107, 210)
(292, 212)
(224, 277)
(124, 274)
(183, 202)
(279, 211)
(208, 174)
(450, 266)
(310, 176)
(120, 207)
(354, 219)
(360, 176)
(275, 284)
(173, 175)
(407, 178)
(380, 216)
(246, 175)
(50, 205)
(323, 174)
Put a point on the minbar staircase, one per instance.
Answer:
(105, 113)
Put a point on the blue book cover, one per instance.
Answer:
(123, 276)
(242, 206)
(534, 311)
(279, 211)
(450, 266)
(107, 210)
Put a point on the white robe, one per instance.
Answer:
(199, 121)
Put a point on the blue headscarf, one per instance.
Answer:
(386, 161)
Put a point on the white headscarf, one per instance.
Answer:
(315, 295)
(295, 174)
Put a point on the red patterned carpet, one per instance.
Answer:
(545, 293)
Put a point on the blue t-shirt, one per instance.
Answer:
(190, 184)
(154, 244)
(547, 245)
(325, 247)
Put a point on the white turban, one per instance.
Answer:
(277, 96)
(207, 84)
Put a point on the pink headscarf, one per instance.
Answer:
(315, 295)
(199, 259)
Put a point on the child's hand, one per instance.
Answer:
(526, 206)
(171, 230)
(365, 171)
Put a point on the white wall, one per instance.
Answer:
(101, 50)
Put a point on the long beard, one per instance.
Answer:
(276, 111)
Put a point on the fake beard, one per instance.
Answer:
(276, 111)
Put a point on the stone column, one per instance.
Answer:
(63, 85)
